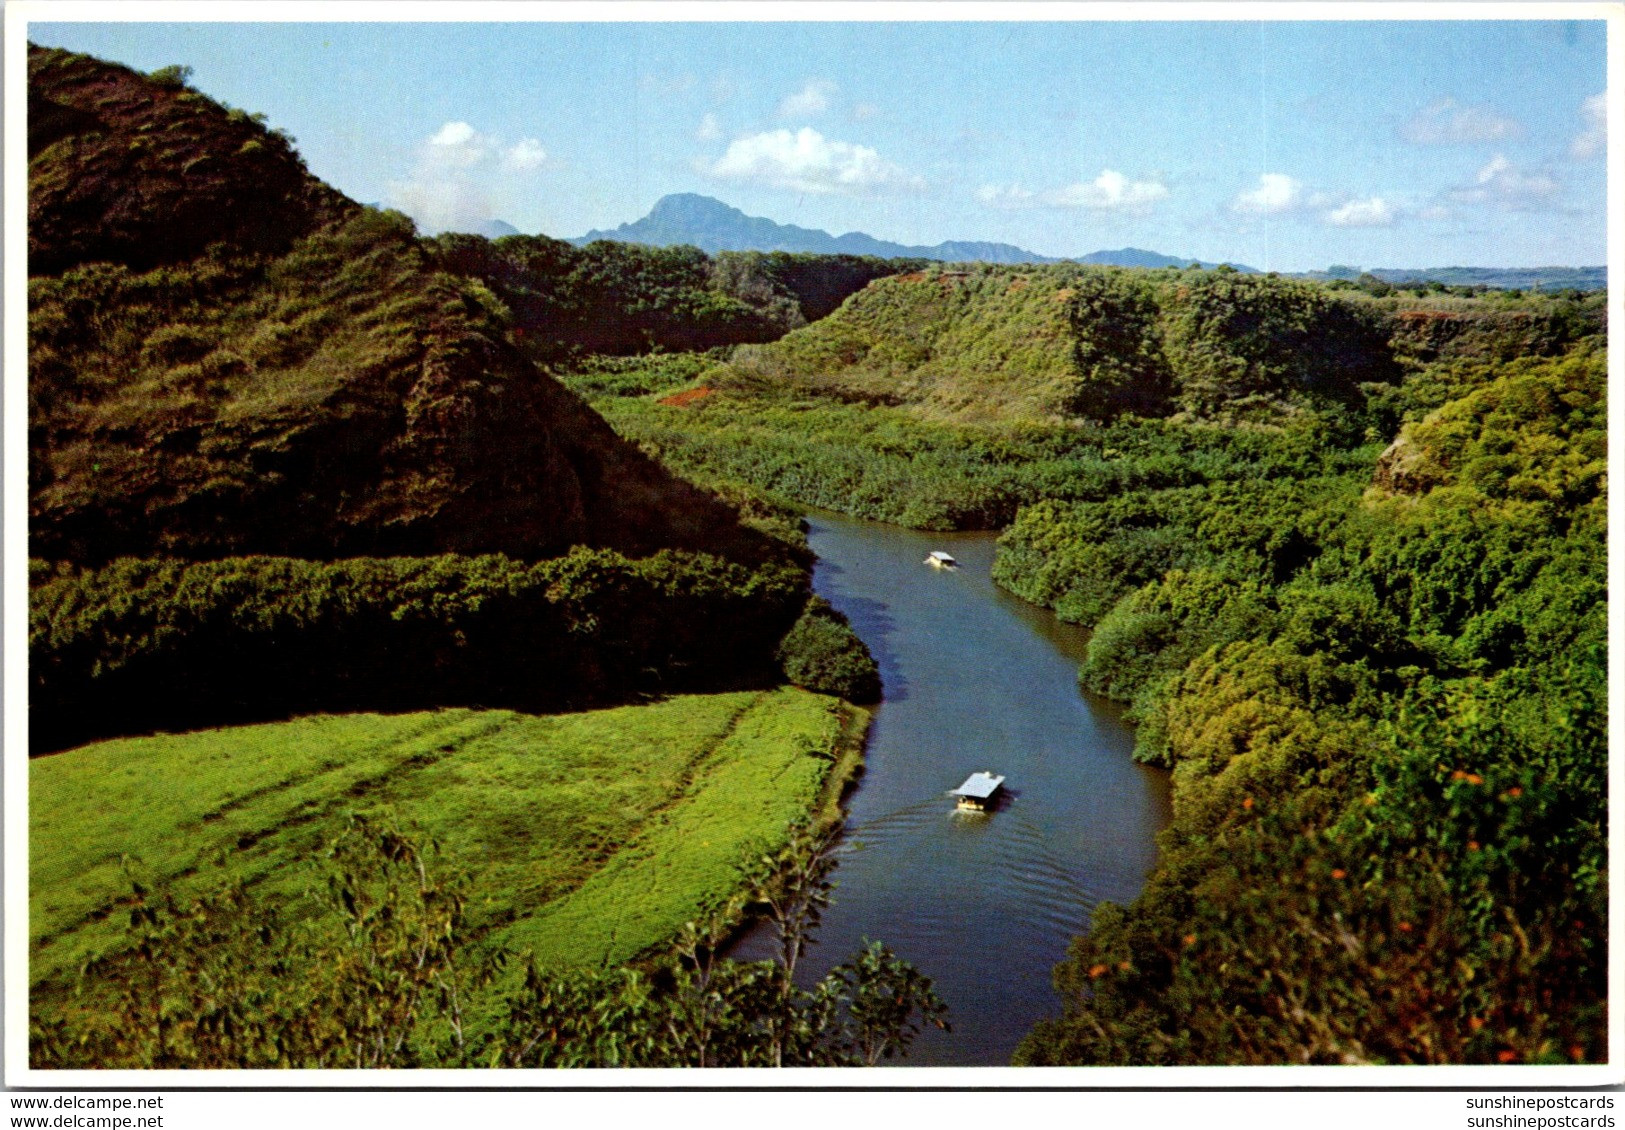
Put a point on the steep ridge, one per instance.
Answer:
(227, 356)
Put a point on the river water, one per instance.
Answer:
(975, 679)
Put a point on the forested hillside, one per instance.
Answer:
(620, 298)
(231, 363)
(1047, 343)
(215, 372)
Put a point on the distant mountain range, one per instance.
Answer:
(1496, 278)
(711, 225)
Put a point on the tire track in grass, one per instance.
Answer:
(680, 796)
(686, 864)
(245, 827)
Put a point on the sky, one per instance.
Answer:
(1283, 145)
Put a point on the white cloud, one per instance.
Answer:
(810, 100)
(1448, 122)
(1111, 191)
(526, 155)
(1593, 140)
(709, 128)
(455, 174)
(1274, 194)
(807, 161)
(457, 144)
(1503, 184)
(1372, 212)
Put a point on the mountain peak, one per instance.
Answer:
(693, 206)
(711, 225)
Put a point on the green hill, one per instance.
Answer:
(227, 356)
(1046, 344)
(965, 342)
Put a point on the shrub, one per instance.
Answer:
(823, 654)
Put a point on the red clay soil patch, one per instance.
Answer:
(912, 276)
(688, 396)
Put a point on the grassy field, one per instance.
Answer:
(589, 837)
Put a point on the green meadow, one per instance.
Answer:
(590, 837)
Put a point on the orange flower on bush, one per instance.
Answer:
(1248, 803)
(1190, 939)
(1339, 873)
(1096, 970)
(1506, 1055)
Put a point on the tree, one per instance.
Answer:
(793, 888)
(887, 1000)
(173, 75)
(403, 925)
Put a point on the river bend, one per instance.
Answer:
(974, 679)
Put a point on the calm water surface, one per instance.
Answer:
(974, 679)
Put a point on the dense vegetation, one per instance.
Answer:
(952, 399)
(145, 644)
(1386, 715)
(820, 652)
(988, 344)
(337, 391)
(621, 298)
(885, 463)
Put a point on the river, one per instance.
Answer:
(975, 679)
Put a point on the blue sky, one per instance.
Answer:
(1286, 145)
